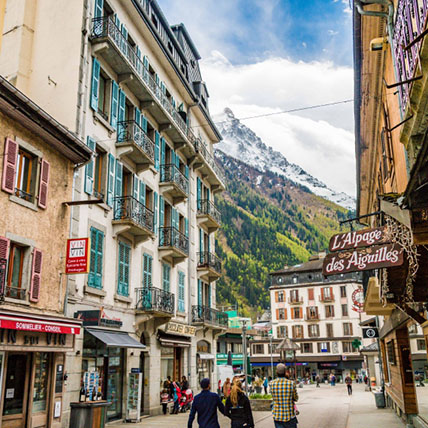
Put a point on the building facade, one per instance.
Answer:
(321, 315)
(39, 157)
(133, 91)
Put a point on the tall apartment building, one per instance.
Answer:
(129, 84)
(319, 315)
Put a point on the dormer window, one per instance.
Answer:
(170, 47)
(154, 20)
(193, 63)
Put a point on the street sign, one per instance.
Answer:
(370, 332)
(77, 257)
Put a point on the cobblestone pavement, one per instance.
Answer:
(325, 407)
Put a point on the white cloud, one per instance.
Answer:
(320, 140)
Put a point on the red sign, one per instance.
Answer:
(358, 239)
(77, 259)
(38, 327)
(358, 300)
(375, 257)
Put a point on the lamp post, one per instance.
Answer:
(244, 350)
(271, 354)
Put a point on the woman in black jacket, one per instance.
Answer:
(238, 408)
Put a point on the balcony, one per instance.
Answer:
(209, 266)
(326, 299)
(295, 301)
(313, 317)
(134, 144)
(208, 215)
(173, 183)
(203, 315)
(110, 44)
(133, 218)
(173, 245)
(155, 301)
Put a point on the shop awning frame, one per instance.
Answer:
(115, 339)
(174, 341)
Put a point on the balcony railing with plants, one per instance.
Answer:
(171, 174)
(208, 208)
(411, 16)
(129, 208)
(204, 314)
(130, 131)
(209, 260)
(152, 299)
(172, 237)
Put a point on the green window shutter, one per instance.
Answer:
(166, 277)
(124, 32)
(137, 116)
(119, 179)
(89, 169)
(186, 171)
(122, 102)
(208, 194)
(135, 187)
(186, 226)
(181, 280)
(199, 292)
(157, 150)
(123, 269)
(209, 295)
(177, 161)
(114, 104)
(162, 151)
(146, 66)
(208, 243)
(111, 179)
(95, 84)
(163, 88)
(144, 126)
(147, 270)
(173, 218)
(201, 241)
(96, 258)
(99, 5)
(161, 220)
(155, 212)
(142, 192)
(199, 192)
(173, 103)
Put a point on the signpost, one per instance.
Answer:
(77, 258)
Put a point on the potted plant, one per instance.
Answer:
(258, 383)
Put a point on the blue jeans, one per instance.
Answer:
(292, 423)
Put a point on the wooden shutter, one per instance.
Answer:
(155, 212)
(292, 313)
(199, 193)
(311, 294)
(199, 292)
(285, 313)
(166, 277)
(277, 314)
(322, 294)
(44, 183)
(119, 179)
(181, 278)
(89, 169)
(10, 161)
(276, 296)
(95, 84)
(135, 187)
(98, 13)
(332, 310)
(111, 180)
(186, 171)
(142, 192)
(114, 104)
(300, 313)
(162, 160)
(36, 272)
(137, 116)
(157, 150)
(331, 293)
(123, 276)
(4, 247)
(293, 329)
(186, 227)
(161, 220)
(122, 102)
(350, 329)
(209, 295)
(96, 259)
(147, 270)
(144, 123)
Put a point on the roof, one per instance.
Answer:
(16, 105)
(311, 265)
(181, 27)
(373, 347)
(287, 345)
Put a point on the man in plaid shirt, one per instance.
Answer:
(284, 395)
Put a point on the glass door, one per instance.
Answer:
(40, 391)
(114, 383)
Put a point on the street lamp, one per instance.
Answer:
(271, 353)
(244, 349)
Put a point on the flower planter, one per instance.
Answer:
(260, 405)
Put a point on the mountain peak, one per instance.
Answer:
(229, 113)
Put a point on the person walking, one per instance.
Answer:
(184, 384)
(348, 381)
(284, 396)
(227, 386)
(238, 408)
(318, 381)
(265, 385)
(205, 404)
(176, 397)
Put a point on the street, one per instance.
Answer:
(324, 407)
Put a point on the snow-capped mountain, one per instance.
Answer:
(242, 143)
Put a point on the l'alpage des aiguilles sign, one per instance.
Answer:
(362, 250)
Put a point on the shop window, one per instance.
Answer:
(307, 348)
(41, 372)
(421, 345)
(123, 269)
(345, 310)
(390, 352)
(95, 275)
(347, 329)
(323, 347)
(329, 311)
(259, 349)
(329, 328)
(342, 291)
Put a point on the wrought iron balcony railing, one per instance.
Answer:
(207, 207)
(172, 237)
(209, 260)
(131, 131)
(295, 300)
(128, 208)
(201, 148)
(204, 314)
(312, 317)
(411, 16)
(16, 293)
(327, 298)
(171, 174)
(152, 299)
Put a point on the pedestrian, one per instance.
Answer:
(164, 400)
(284, 396)
(176, 397)
(348, 381)
(265, 385)
(318, 381)
(238, 408)
(227, 386)
(184, 384)
(205, 405)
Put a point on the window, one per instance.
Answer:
(181, 280)
(345, 310)
(306, 348)
(312, 313)
(347, 347)
(329, 311)
(282, 331)
(14, 284)
(258, 349)
(25, 175)
(294, 279)
(273, 350)
(421, 345)
(323, 347)
(103, 99)
(279, 296)
(147, 271)
(342, 291)
(166, 272)
(294, 296)
(347, 329)
(313, 330)
(311, 294)
(297, 331)
(237, 348)
(390, 352)
(99, 175)
(326, 294)
(297, 313)
(123, 269)
(281, 314)
(329, 330)
(96, 261)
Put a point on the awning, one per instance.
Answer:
(206, 356)
(115, 339)
(172, 340)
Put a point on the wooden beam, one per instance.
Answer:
(88, 202)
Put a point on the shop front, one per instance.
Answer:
(32, 359)
(204, 360)
(173, 349)
(237, 361)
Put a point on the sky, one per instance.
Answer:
(267, 56)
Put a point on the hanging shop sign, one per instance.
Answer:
(370, 332)
(358, 300)
(97, 318)
(178, 328)
(38, 327)
(77, 256)
(361, 259)
(358, 239)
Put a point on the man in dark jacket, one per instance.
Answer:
(206, 404)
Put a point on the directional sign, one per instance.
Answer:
(370, 332)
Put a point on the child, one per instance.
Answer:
(164, 400)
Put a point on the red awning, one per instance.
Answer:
(17, 322)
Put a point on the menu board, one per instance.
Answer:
(91, 380)
(134, 397)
